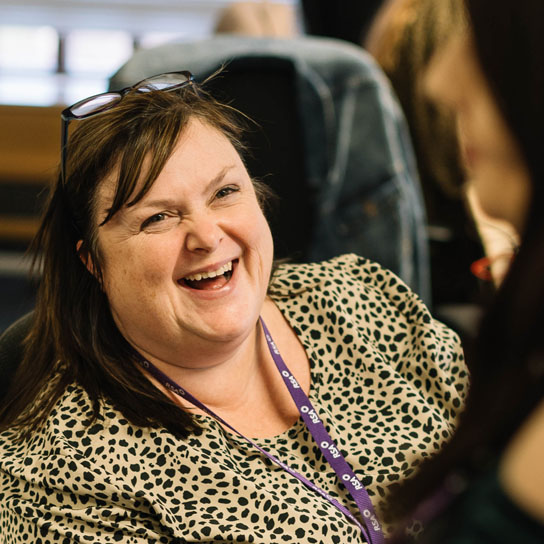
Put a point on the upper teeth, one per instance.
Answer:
(204, 275)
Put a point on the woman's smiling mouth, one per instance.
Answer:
(214, 279)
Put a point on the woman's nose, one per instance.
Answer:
(203, 234)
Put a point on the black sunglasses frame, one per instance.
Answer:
(67, 115)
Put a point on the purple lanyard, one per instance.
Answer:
(372, 531)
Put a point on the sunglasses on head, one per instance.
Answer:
(99, 103)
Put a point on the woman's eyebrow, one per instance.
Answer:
(157, 203)
(218, 178)
(169, 202)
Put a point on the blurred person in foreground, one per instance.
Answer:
(487, 485)
(174, 388)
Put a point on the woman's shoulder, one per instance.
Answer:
(362, 283)
(337, 270)
(66, 426)
(351, 303)
(358, 291)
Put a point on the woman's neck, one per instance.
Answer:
(244, 387)
(220, 378)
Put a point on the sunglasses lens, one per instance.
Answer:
(164, 81)
(94, 104)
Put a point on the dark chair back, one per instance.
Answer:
(11, 350)
(264, 88)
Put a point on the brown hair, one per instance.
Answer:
(403, 39)
(74, 337)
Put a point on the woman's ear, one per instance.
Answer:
(85, 257)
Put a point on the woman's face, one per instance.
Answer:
(492, 156)
(188, 266)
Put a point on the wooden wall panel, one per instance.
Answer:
(29, 142)
(29, 155)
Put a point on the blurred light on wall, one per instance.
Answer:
(98, 52)
(28, 48)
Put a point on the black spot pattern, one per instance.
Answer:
(387, 380)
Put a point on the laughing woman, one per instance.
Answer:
(160, 341)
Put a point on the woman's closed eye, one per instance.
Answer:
(226, 191)
(158, 221)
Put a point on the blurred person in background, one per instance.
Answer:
(259, 19)
(403, 38)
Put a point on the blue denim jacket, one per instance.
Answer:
(358, 153)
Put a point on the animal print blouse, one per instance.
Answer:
(387, 380)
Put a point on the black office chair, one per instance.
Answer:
(11, 350)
